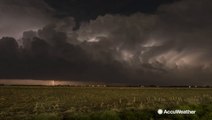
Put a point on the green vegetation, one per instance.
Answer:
(102, 103)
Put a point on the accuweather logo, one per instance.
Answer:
(160, 111)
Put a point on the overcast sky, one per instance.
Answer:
(150, 42)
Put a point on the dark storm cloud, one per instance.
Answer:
(17, 16)
(175, 39)
(90, 9)
(48, 54)
(87, 10)
(170, 46)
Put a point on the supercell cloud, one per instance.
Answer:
(171, 46)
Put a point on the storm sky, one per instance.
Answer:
(149, 42)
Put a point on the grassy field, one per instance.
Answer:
(103, 103)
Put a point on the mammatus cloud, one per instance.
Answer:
(170, 47)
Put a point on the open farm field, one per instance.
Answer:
(102, 103)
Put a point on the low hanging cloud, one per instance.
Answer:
(170, 47)
(175, 39)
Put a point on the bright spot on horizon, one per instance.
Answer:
(53, 83)
(39, 82)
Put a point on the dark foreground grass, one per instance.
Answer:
(84, 103)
